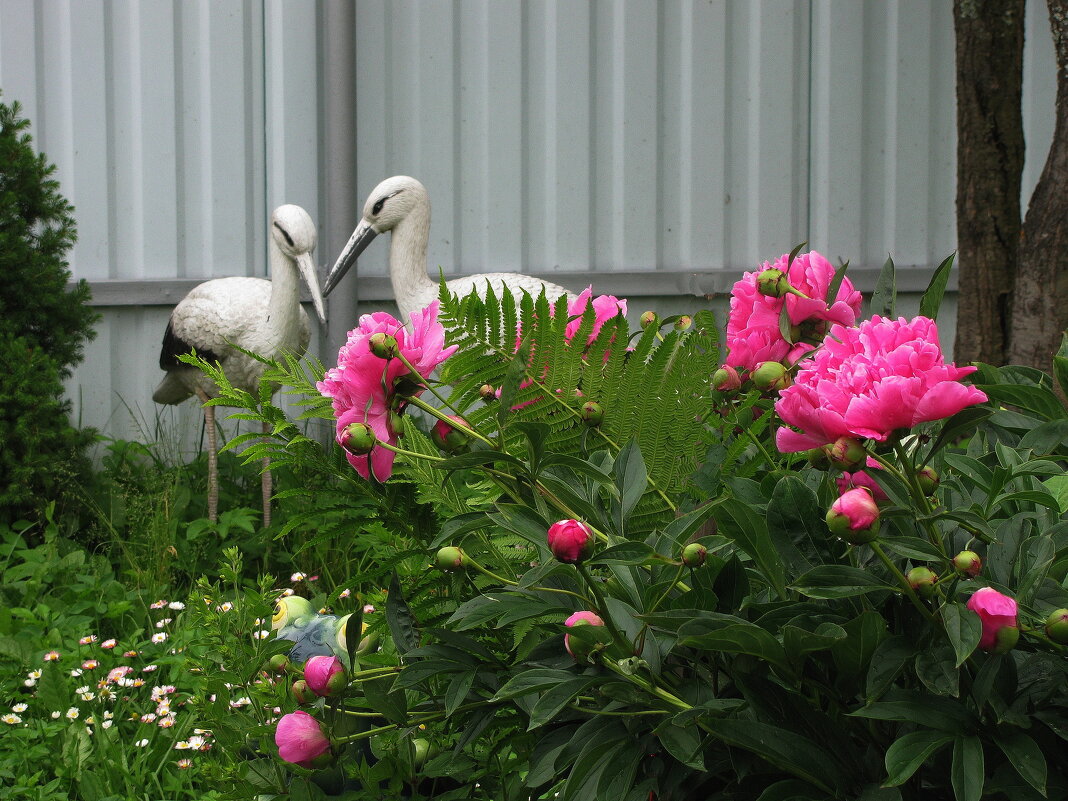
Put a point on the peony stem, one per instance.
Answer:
(489, 573)
(911, 593)
(670, 587)
(621, 641)
(436, 412)
(403, 452)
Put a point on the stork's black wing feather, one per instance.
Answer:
(174, 346)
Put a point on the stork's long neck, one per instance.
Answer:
(283, 312)
(407, 255)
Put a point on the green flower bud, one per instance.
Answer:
(968, 563)
(383, 345)
(358, 439)
(302, 693)
(694, 554)
(278, 663)
(449, 559)
(592, 413)
(487, 393)
(923, 580)
(726, 379)
(846, 453)
(684, 322)
(1057, 626)
(647, 319)
(770, 377)
(928, 480)
(773, 283)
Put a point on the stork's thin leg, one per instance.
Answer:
(266, 480)
(213, 458)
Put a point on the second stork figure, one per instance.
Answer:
(255, 314)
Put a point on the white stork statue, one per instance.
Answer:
(400, 204)
(259, 315)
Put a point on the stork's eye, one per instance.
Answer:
(285, 233)
(378, 206)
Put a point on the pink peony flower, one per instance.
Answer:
(363, 387)
(570, 540)
(325, 675)
(861, 478)
(605, 308)
(582, 618)
(300, 739)
(753, 334)
(997, 612)
(868, 381)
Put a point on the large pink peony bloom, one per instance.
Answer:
(753, 325)
(363, 386)
(300, 738)
(605, 308)
(868, 381)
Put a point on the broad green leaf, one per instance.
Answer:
(931, 301)
(924, 709)
(963, 628)
(908, 752)
(683, 743)
(1057, 486)
(853, 654)
(399, 617)
(835, 285)
(968, 772)
(786, 750)
(1024, 755)
(887, 663)
(963, 423)
(1038, 400)
(838, 581)
(626, 553)
(556, 698)
(740, 638)
(936, 669)
(1046, 438)
(458, 689)
(750, 532)
(796, 525)
(534, 680)
(791, 790)
(631, 478)
(912, 548)
(884, 298)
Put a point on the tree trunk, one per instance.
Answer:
(990, 160)
(1040, 303)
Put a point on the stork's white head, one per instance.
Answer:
(293, 232)
(390, 204)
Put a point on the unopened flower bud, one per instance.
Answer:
(358, 439)
(854, 517)
(928, 479)
(726, 379)
(301, 692)
(1057, 626)
(592, 413)
(449, 559)
(773, 283)
(580, 651)
(447, 437)
(487, 392)
(278, 663)
(570, 540)
(968, 563)
(998, 614)
(923, 580)
(694, 554)
(770, 376)
(647, 319)
(846, 453)
(383, 345)
(325, 675)
(817, 457)
(684, 322)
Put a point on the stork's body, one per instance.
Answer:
(255, 314)
(400, 204)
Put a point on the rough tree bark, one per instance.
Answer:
(990, 160)
(1040, 302)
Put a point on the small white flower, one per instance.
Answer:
(161, 623)
(34, 674)
(73, 713)
(225, 606)
(30, 682)
(178, 606)
(166, 722)
(298, 576)
(244, 700)
(81, 690)
(90, 719)
(141, 743)
(148, 717)
(195, 741)
(75, 673)
(56, 714)
(11, 719)
(287, 592)
(149, 668)
(107, 645)
(345, 593)
(159, 637)
(262, 634)
(89, 696)
(158, 604)
(107, 724)
(19, 708)
(182, 745)
(108, 714)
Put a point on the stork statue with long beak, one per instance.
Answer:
(255, 314)
(400, 204)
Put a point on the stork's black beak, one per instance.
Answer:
(359, 240)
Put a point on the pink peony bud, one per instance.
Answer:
(583, 618)
(862, 478)
(1057, 626)
(846, 453)
(325, 675)
(570, 540)
(449, 559)
(998, 615)
(300, 739)
(922, 580)
(854, 517)
(449, 438)
(647, 319)
(592, 413)
(726, 379)
(968, 563)
(694, 554)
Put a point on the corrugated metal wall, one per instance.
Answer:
(651, 147)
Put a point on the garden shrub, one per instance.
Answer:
(830, 565)
(44, 324)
